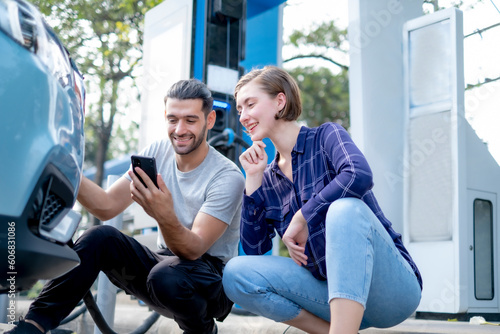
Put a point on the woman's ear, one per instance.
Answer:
(281, 100)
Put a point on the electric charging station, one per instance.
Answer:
(438, 183)
(452, 182)
(214, 41)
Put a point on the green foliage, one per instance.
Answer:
(325, 35)
(127, 140)
(325, 96)
(105, 40)
(283, 250)
(35, 290)
(431, 6)
(320, 41)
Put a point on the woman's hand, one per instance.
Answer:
(254, 162)
(295, 238)
(254, 159)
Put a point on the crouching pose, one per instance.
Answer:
(348, 267)
(197, 207)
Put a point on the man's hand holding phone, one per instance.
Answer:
(157, 203)
(148, 165)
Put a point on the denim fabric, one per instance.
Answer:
(363, 265)
(326, 166)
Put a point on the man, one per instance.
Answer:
(197, 208)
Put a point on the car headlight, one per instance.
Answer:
(19, 21)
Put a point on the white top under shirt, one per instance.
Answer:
(215, 187)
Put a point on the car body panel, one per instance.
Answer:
(35, 123)
(41, 149)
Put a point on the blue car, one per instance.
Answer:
(42, 100)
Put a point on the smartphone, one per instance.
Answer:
(148, 165)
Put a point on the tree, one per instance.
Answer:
(435, 4)
(322, 39)
(105, 40)
(325, 95)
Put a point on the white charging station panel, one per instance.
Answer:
(451, 182)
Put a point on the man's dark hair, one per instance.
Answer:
(192, 89)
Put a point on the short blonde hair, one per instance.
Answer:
(273, 81)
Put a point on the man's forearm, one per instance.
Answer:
(99, 202)
(180, 240)
(92, 197)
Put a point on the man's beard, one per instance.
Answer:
(188, 149)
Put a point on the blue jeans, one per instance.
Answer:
(363, 265)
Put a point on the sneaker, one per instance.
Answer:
(24, 327)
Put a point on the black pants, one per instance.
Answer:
(190, 292)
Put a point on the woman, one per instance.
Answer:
(348, 267)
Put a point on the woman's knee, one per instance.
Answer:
(234, 267)
(345, 206)
(233, 279)
(345, 210)
(347, 220)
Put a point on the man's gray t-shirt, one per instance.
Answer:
(215, 187)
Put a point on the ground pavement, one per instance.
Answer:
(129, 315)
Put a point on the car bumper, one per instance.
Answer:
(42, 150)
(26, 257)
(34, 244)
